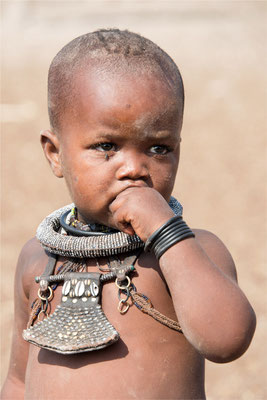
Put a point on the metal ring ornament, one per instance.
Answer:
(120, 306)
(123, 287)
(46, 298)
(40, 313)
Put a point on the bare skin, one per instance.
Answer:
(124, 119)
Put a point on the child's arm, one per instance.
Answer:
(215, 315)
(213, 312)
(14, 385)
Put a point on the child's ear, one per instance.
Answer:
(51, 146)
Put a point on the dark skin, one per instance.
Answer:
(125, 138)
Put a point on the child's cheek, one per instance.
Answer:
(164, 183)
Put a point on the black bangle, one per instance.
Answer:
(156, 234)
(167, 240)
(159, 252)
(173, 231)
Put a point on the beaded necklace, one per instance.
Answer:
(78, 323)
(105, 244)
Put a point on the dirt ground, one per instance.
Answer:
(220, 47)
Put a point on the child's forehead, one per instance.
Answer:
(132, 90)
(124, 98)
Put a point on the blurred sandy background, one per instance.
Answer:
(220, 48)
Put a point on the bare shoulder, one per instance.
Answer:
(31, 262)
(31, 248)
(216, 251)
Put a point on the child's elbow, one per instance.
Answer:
(234, 343)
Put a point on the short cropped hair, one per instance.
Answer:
(116, 50)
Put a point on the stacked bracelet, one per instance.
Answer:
(173, 231)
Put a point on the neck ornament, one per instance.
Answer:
(95, 245)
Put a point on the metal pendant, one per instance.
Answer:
(78, 323)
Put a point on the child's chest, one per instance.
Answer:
(147, 360)
(121, 301)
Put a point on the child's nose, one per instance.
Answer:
(132, 166)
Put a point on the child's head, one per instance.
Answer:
(116, 107)
(109, 51)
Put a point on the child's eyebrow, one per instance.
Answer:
(142, 136)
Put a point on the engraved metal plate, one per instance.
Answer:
(78, 324)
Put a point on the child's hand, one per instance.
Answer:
(139, 210)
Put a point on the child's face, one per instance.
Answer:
(125, 133)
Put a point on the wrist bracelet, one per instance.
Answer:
(173, 231)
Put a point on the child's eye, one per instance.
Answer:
(160, 149)
(105, 146)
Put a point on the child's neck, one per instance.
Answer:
(78, 222)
